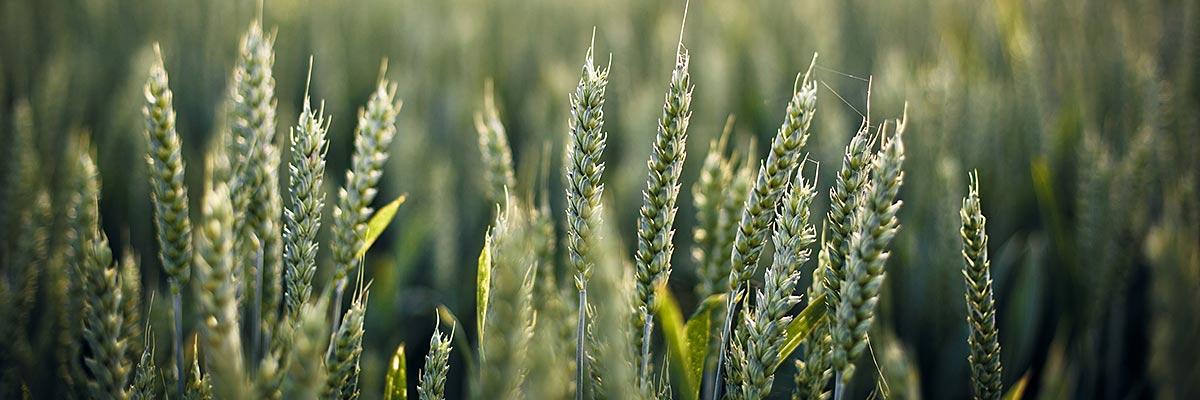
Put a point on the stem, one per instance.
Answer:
(580, 352)
(647, 328)
(177, 306)
(725, 331)
(839, 387)
(337, 313)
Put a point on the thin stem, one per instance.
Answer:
(580, 353)
(839, 387)
(337, 313)
(725, 331)
(177, 306)
(644, 368)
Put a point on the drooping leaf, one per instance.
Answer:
(379, 221)
(396, 386)
(801, 326)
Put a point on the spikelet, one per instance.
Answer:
(875, 226)
(302, 218)
(983, 341)
(657, 217)
(437, 366)
(764, 327)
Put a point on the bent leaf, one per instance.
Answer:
(379, 221)
(460, 340)
(396, 386)
(801, 326)
(687, 344)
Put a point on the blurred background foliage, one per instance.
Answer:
(1080, 116)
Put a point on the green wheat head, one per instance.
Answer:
(168, 189)
(984, 342)
(302, 218)
(437, 366)
(875, 225)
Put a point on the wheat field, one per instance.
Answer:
(623, 199)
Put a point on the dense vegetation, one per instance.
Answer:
(209, 200)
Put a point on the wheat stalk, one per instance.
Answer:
(852, 179)
(306, 374)
(584, 172)
(437, 366)
(302, 218)
(763, 329)
(983, 341)
(494, 148)
(875, 225)
(814, 371)
(341, 381)
(376, 128)
(216, 295)
(759, 211)
(657, 217)
(103, 317)
(716, 173)
(509, 318)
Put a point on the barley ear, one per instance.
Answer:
(984, 340)
(656, 220)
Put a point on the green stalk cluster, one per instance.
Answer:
(656, 220)
(773, 177)
(983, 342)
(763, 330)
(875, 225)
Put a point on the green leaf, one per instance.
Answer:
(379, 222)
(687, 344)
(397, 377)
(1017, 391)
(483, 286)
(800, 327)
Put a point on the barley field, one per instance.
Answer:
(546, 199)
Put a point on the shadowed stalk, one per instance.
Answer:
(584, 170)
(170, 196)
(984, 342)
(759, 211)
(657, 217)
